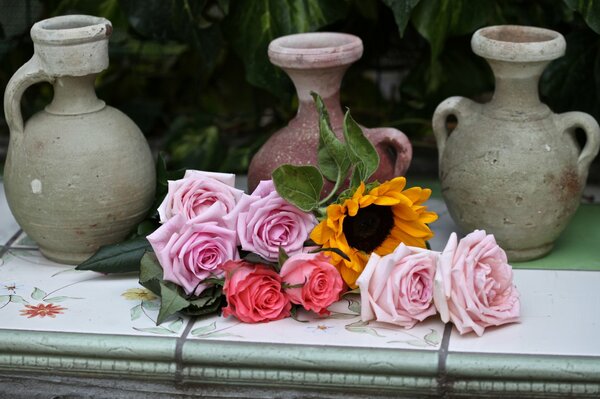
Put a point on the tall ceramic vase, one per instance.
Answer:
(511, 166)
(317, 62)
(78, 174)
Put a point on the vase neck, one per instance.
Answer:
(326, 82)
(517, 84)
(74, 96)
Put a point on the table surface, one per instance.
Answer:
(101, 340)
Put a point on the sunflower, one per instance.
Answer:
(374, 222)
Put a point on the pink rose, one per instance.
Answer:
(473, 284)
(189, 252)
(398, 288)
(201, 196)
(254, 293)
(266, 222)
(321, 282)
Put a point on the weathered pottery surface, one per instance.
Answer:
(511, 166)
(316, 62)
(79, 174)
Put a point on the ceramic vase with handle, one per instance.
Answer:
(316, 62)
(78, 174)
(512, 166)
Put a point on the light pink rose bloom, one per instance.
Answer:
(202, 196)
(321, 282)
(398, 288)
(266, 222)
(254, 293)
(474, 284)
(189, 252)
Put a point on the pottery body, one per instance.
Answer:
(316, 62)
(511, 166)
(78, 174)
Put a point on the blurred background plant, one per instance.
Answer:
(195, 76)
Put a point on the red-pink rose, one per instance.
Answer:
(254, 293)
(192, 252)
(473, 284)
(320, 280)
(202, 196)
(398, 288)
(267, 222)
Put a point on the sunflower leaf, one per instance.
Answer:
(299, 185)
(360, 150)
(335, 250)
(332, 156)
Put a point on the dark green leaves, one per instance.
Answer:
(402, 10)
(301, 185)
(252, 25)
(589, 9)
(118, 258)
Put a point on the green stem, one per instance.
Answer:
(338, 183)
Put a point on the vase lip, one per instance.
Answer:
(518, 43)
(315, 50)
(71, 29)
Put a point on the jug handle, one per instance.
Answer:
(569, 121)
(460, 107)
(30, 73)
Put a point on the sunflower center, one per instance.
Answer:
(369, 228)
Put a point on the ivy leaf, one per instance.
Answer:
(151, 272)
(171, 302)
(332, 157)
(589, 9)
(402, 10)
(38, 294)
(299, 185)
(360, 150)
(252, 25)
(117, 258)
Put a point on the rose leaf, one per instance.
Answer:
(170, 302)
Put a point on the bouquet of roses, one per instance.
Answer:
(289, 244)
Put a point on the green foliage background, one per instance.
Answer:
(195, 76)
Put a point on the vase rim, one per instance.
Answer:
(71, 29)
(315, 50)
(517, 43)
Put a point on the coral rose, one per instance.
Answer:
(192, 252)
(398, 288)
(267, 222)
(473, 284)
(320, 280)
(254, 293)
(202, 196)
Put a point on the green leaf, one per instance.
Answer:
(283, 256)
(299, 185)
(589, 9)
(334, 250)
(342, 316)
(402, 10)
(252, 25)
(433, 338)
(332, 157)
(200, 331)
(38, 294)
(18, 299)
(176, 325)
(352, 292)
(151, 272)
(354, 306)
(151, 305)
(56, 299)
(135, 312)
(155, 330)
(118, 258)
(209, 301)
(171, 301)
(360, 150)
(361, 327)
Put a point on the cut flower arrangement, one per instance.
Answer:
(293, 244)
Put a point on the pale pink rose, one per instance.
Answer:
(266, 222)
(202, 196)
(189, 252)
(474, 285)
(398, 288)
(254, 293)
(320, 280)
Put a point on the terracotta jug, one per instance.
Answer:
(78, 174)
(511, 166)
(317, 62)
